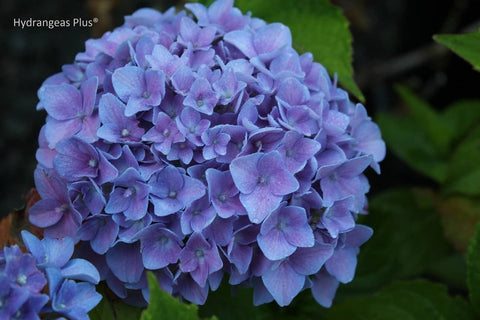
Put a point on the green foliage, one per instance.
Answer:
(473, 271)
(451, 270)
(419, 299)
(464, 166)
(407, 239)
(317, 26)
(411, 144)
(164, 306)
(234, 303)
(443, 146)
(465, 45)
(111, 308)
(435, 127)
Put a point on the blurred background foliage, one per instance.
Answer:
(421, 262)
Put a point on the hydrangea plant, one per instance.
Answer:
(200, 145)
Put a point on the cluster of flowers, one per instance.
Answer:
(202, 145)
(46, 280)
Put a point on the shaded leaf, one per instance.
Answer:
(417, 299)
(465, 45)
(317, 26)
(410, 143)
(450, 270)
(459, 216)
(464, 166)
(473, 270)
(437, 129)
(462, 116)
(164, 306)
(234, 303)
(103, 311)
(111, 308)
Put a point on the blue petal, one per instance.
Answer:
(274, 245)
(125, 261)
(55, 98)
(260, 203)
(283, 283)
(80, 269)
(342, 264)
(128, 81)
(324, 288)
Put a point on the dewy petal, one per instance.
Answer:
(128, 81)
(297, 230)
(280, 180)
(354, 167)
(293, 92)
(111, 110)
(160, 247)
(242, 40)
(245, 173)
(274, 245)
(62, 102)
(338, 218)
(260, 203)
(56, 130)
(369, 140)
(271, 38)
(117, 202)
(89, 94)
(76, 159)
(283, 283)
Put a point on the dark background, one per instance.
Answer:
(392, 45)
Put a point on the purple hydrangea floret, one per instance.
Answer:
(45, 280)
(199, 144)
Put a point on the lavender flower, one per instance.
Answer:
(197, 145)
(25, 276)
(262, 181)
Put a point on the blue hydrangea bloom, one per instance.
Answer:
(199, 144)
(25, 277)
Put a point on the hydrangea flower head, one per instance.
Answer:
(199, 144)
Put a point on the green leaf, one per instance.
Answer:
(438, 131)
(103, 311)
(111, 308)
(465, 45)
(464, 166)
(459, 216)
(317, 26)
(473, 270)
(234, 303)
(407, 239)
(409, 142)
(461, 116)
(451, 270)
(417, 299)
(164, 306)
